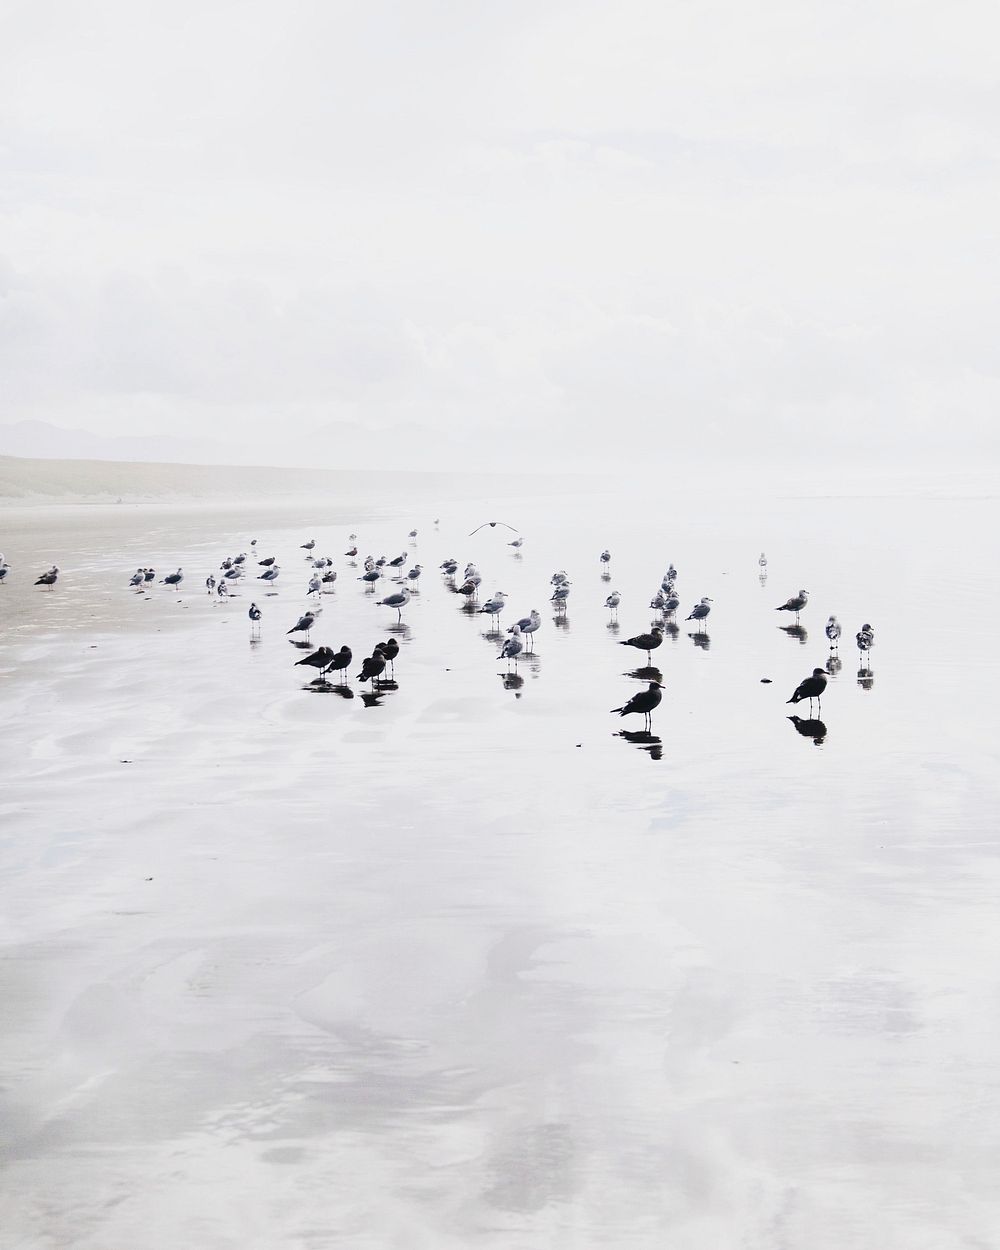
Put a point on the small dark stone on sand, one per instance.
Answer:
(765, 681)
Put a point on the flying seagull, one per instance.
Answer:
(493, 525)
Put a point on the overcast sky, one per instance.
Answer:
(566, 230)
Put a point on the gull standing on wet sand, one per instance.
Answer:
(512, 647)
(397, 601)
(612, 602)
(173, 579)
(810, 689)
(644, 702)
(304, 624)
(528, 625)
(494, 606)
(795, 604)
(255, 615)
(645, 642)
(833, 632)
(700, 611)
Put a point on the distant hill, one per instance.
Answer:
(105, 481)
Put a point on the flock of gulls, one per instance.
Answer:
(334, 667)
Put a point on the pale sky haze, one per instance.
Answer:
(555, 233)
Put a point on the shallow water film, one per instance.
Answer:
(460, 958)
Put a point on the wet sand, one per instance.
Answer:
(464, 967)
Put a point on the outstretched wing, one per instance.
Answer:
(493, 525)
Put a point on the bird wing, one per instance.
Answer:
(493, 524)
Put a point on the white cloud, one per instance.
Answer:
(699, 217)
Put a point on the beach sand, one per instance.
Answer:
(463, 967)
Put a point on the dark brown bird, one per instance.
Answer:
(320, 659)
(811, 688)
(339, 660)
(645, 642)
(373, 668)
(390, 649)
(644, 702)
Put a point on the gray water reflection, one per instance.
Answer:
(437, 964)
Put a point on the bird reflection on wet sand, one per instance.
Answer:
(834, 664)
(561, 621)
(647, 673)
(814, 729)
(701, 640)
(511, 681)
(644, 740)
(671, 630)
(320, 685)
(866, 678)
(795, 631)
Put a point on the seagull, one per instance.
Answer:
(339, 660)
(700, 611)
(528, 625)
(397, 601)
(762, 561)
(605, 556)
(612, 601)
(833, 631)
(397, 562)
(865, 638)
(49, 578)
(315, 585)
(373, 668)
(645, 642)
(795, 604)
(308, 546)
(414, 573)
(352, 552)
(149, 575)
(269, 575)
(671, 603)
(513, 646)
(233, 573)
(390, 649)
(240, 558)
(304, 624)
(222, 590)
(517, 543)
(255, 615)
(412, 534)
(810, 689)
(449, 566)
(371, 576)
(494, 606)
(173, 579)
(135, 580)
(227, 563)
(209, 583)
(319, 659)
(560, 594)
(645, 701)
(329, 577)
(493, 525)
(468, 589)
(4, 568)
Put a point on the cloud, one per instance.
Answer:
(710, 225)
